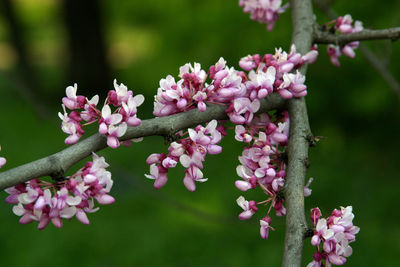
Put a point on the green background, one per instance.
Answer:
(356, 163)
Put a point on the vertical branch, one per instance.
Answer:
(302, 17)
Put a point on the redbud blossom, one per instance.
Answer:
(3, 160)
(344, 26)
(335, 233)
(34, 201)
(113, 124)
(263, 11)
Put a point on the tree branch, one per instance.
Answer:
(325, 37)
(375, 62)
(296, 226)
(56, 164)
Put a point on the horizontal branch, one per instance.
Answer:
(57, 164)
(325, 37)
(375, 62)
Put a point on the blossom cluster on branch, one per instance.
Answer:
(190, 151)
(42, 201)
(264, 11)
(239, 91)
(332, 236)
(344, 25)
(262, 163)
(111, 124)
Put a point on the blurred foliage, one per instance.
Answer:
(355, 164)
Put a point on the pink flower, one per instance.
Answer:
(108, 119)
(3, 161)
(263, 11)
(115, 132)
(249, 62)
(120, 95)
(193, 174)
(344, 26)
(293, 85)
(159, 174)
(261, 83)
(336, 233)
(72, 101)
(264, 227)
(322, 231)
(307, 190)
(249, 207)
(71, 126)
(35, 202)
(334, 53)
(242, 110)
(242, 135)
(89, 114)
(129, 110)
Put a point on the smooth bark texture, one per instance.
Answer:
(56, 164)
(325, 37)
(300, 134)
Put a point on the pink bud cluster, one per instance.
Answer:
(332, 236)
(344, 26)
(263, 164)
(43, 202)
(192, 91)
(264, 11)
(111, 124)
(3, 160)
(240, 91)
(277, 73)
(190, 152)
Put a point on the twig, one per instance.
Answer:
(296, 226)
(375, 62)
(61, 161)
(325, 37)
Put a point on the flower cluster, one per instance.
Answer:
(190, 151)
(344, 26)
(240, 92)
(264, 11)
(332, 236)
(43, 202)
(111, 124)
(192, 91)
(262, 164)
(275, 72)
(3, 160)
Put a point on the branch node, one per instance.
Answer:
(169, 138)
(308, 233)
(58, 176)
(312, 141)
(307, 162)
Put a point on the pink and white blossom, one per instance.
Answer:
(264, 11)
(34, 201)
(335, 233)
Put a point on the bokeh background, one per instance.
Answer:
(46, 45)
